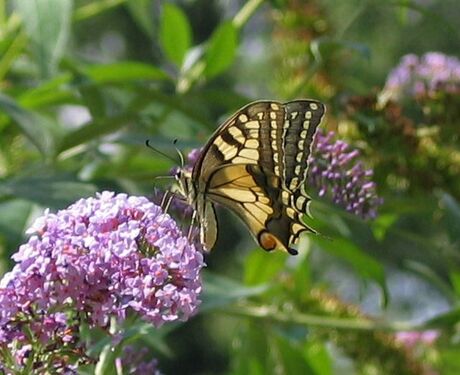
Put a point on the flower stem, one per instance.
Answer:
(246, 12)
(267, 312)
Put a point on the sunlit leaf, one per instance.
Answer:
(39, 130)
(323, 47)
(363, 264)
(124, 71)
(250, 351)
(221, 50)
(381, 225)
(261, 267)
(446, 320)
(291, 357)
(141, 11)
(93, 130)
(15, 213)
(220, 291)
(47, 23)
(49, 92)
(175, 33)
(455, 280)
(319, 358)
(51, 191)
(452, 216)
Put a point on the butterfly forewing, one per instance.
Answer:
(255, 164)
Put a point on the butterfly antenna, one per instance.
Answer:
(181, 157)
(163, 177)
(147, 143)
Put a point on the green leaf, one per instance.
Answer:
(250, 351)
(50, 92)
(47, 24)
(219, 291)
(291, 358)
(382, 224)
(323, 48)
(402, 11)
(451, 217)
(454, 277)
(261, 267)
(141, 11)
(13, 219)
(48, 190)
(38, 129)
(93, 130)
(175, 33)
(318, 358)
(263, 347)
(447, 320)
(366, 266)
(221, 50)
(124, 72)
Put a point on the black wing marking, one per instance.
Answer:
(255, 164)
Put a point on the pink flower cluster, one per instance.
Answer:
(424, 76)
(334, 171)
(132, 362)
(412, 338)
(99, 258)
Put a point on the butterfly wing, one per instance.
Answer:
(255, 164)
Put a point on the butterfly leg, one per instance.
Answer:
(163, 199)
(192, 223)
(166, 201)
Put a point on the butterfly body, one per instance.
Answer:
(255, 164)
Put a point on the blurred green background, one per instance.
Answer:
(83, 85)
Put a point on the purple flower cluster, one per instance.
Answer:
(99, 258)
(424, 76)
(411, 339)
(335, 172)
(131, 362)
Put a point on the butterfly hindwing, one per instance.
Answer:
(255, 164)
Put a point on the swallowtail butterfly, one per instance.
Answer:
(256, 165)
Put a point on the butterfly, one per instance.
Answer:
(255, 165)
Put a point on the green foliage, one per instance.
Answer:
(221, 50)
(47, 25)
(84, 84)
(175, 33)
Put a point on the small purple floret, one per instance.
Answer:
(424, 76)
(335, 172)
(99, 258)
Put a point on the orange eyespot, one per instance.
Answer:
(267, 241)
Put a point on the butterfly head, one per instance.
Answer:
(185, 185)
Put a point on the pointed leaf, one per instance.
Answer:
(48, 190)
(262, 268)
(175, 33)
(15, 214)
(365, 265)
(124, 72)
(47, 24)
(38, 129)
(451, 216)
(141, 11)
(219, 291)
(221, 50)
